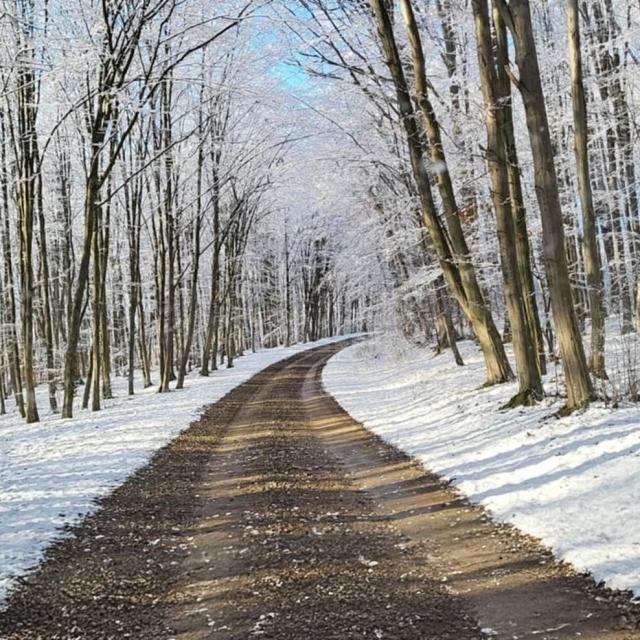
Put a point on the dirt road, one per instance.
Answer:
(278, 516)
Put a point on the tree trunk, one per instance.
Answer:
(9, 281)
(590, 241)
(517, 16)
(524, 347)
(518, 210)
(26, 144)
(86, 395)
(104, 238)
(46, 303)
(211, 336)
(444, 320)
(3, 407)
(92, 188)
(195, 269)
(97, 314)
(144, 347)
(456, 265)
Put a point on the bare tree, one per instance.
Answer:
(449, 244)
(517, 16)
(524, 344)
(590, 241)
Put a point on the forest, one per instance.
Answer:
(178, 187)
(319, 319)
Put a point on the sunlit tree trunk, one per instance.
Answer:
(518, 210)
(90, 209)
(454, 260)
(104, 240)
(517, 16)
(524, 345)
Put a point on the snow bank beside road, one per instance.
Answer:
(574, 483)
(52, 471)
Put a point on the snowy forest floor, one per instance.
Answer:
(276, 515)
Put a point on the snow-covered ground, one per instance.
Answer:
(573, 482)
(52, 471)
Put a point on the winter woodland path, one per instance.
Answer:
(277, 516)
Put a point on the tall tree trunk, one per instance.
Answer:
(195, 268)
(590, 241)
(454, 261)
(131, 356)
(517, 16)
(9, 282)
(133, 205)
(104, 239)
(519, 212)
(169, 241)
(96, 291)
(68, 259)
(211, 337)
(287, 284)
(27, 158)
(524, 347)
(46, 303)
(92, 188)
